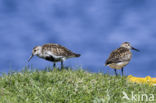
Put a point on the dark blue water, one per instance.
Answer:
(92, 28)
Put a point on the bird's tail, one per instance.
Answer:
(77, 55)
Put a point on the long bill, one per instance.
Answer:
(30, 57)
(135, 49)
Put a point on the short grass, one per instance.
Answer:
(68, 86)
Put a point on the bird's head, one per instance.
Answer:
(36, 51)
(128, 46)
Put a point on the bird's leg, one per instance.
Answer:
(62, 66)
(115, 72)
(54, 65)
(122, 71)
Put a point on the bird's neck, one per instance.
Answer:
(39, 54)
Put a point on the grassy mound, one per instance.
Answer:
(67, 86)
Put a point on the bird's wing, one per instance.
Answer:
(119, 55)
(58, 50)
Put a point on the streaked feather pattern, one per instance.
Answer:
(119, 55)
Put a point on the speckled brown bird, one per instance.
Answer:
(120, 57)
(54, 53)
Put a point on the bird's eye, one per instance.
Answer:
(34, 50)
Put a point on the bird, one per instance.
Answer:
(53, 52)
(120, 57)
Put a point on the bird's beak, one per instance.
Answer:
(30, 57)
(135, 49)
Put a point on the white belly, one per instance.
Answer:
(118, 65)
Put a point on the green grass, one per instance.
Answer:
(67, 86)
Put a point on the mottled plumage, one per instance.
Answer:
(58, 50)
(120, 57)
(53, 52)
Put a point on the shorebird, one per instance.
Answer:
(54, 53)
(120, 57)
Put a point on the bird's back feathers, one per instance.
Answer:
(119, 55)
(59, 50)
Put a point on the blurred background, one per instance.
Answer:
(92, 28)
